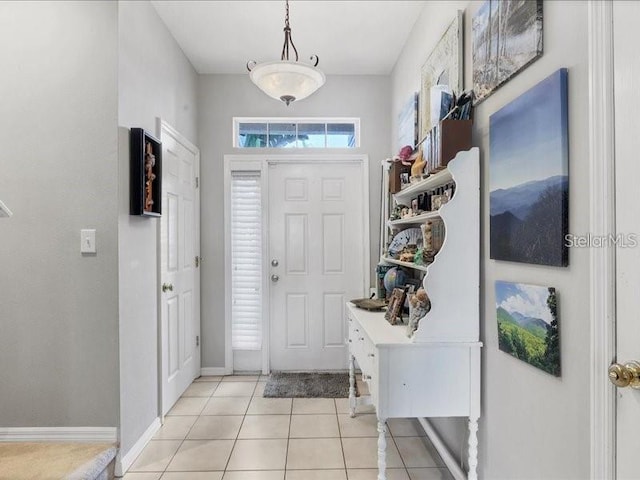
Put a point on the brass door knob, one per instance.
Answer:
(627, 375)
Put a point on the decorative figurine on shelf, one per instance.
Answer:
(406, 212)
(149, 163)
(427, 236)
(418, 165)
(419, 307)
(397, 212)
(408, 253)
(403, 161)
(433, 234)
(422, 257)
(404, 155)
(415, 207)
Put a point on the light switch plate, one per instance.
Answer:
(4, 210)
(88, 240)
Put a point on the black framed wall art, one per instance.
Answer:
(146, 174)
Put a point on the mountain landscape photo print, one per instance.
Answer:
(529, 176)
(528, 324)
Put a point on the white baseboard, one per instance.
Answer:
(59, 434)
(214, 371)
(124, 462)
(449, 460)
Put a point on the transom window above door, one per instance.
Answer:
(296, 132)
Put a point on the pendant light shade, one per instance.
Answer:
(286, 80)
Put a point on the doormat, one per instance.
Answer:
(307, 385)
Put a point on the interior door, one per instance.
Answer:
(627, 146)
(179, 273)
(316, 238)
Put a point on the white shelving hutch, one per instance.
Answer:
(436, 372)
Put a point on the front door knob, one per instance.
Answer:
(275, 278)
(627, 375)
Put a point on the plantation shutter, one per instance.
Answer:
(246, 261)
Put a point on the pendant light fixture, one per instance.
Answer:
(287, 80)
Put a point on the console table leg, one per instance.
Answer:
(473, 448)
(352, 386)
(382, 449)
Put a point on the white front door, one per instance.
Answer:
(317, 224)
(627, 146)
(179, 273)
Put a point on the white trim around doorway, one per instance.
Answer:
(602, 222)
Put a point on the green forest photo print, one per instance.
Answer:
(528, 324)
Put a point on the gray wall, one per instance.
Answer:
(155, 80)
(59, 174)
(222, 97)
(533, 425)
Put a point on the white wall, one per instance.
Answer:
(59, 174)
(155, 80)
(533, 425)
(220, 98)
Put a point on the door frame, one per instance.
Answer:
(602, 222)
(260, 163)
(163, 125)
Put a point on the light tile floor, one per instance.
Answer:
(223, 429)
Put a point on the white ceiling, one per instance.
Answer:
(349, 37)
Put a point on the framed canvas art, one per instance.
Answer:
(145, 174)
(443, 67)
(408, 123)
(394, 309)
(527, 317)
(529, 176)
(507, 36)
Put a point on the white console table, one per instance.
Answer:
(410, 379)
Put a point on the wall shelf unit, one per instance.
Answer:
(432, 181)
(436, 371)
(415, 220)
(422, 268)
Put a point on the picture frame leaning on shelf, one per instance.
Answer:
(394, 309)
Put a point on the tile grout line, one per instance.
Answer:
(286, 455)
(393, 439)
(344, 457)
(190, 428)
(235, 442)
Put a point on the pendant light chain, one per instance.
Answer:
(286, 80)
(287, 36)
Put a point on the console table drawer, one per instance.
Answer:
(365, 353)
(425, 382)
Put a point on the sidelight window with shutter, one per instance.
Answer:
(246, 261)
